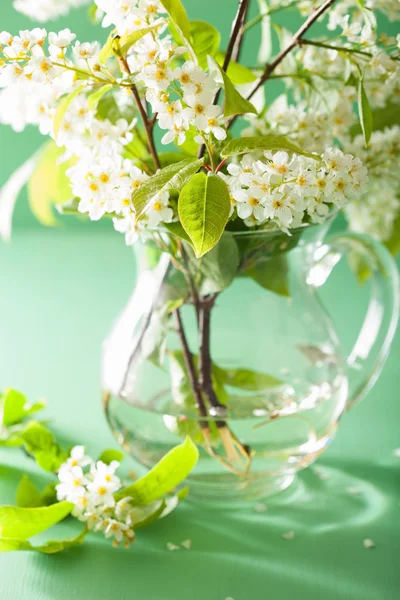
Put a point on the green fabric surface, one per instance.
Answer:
(59, 296)
(60, 291)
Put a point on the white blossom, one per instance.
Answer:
(46, 10)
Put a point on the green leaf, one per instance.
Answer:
(364, 112)
(206, 40)
(176, 229)
(204, 206)
(107, 50)
(126, 42)
(109, 455)
(234, 104)
(30, 409)
(238, 74)
(261, 143)
(179, 24)
(178, 15)
(246, 379)
(108, 108)
(24, 523)
(49, 184)
(387, 116)
(64, 106)
(95, 98)
(172, 469)
(52, 547)
(173, 177)
(219, 266)
(49, 494)
(12, 407)
(272, 274)
(28, 496)
(40, 442)
(166, 159)
(393, 243)
(142, 516)
(265, 50)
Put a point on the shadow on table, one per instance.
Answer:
(331, 509)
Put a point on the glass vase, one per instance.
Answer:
(236, 350)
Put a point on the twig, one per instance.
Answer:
(236, 35)
(303, 42)
(237, 31)
(237, 49)
(205, 364)
(270, 67)
(191, 371)
(147, 123)
(296, 39)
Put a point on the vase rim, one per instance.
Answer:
(273, 233)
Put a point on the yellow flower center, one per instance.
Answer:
(254, 202)
(321, 183)
(212, 122)
(157, 206)
(301, 180)
(102, 491)
(45, 66)
(199, 109)
(185, 78)
(160, 74)
(104, 178)
(94, 187)
(340, 185)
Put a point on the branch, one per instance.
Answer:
(191, 370)
(270, 67)
(332, 47)
(236, 36)
(147, 123)
(237, 32)
(205, 363)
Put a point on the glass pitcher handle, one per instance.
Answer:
(371, 349)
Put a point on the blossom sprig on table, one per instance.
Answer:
(90, 486)
(91, 491)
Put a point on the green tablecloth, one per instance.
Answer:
(59, 294)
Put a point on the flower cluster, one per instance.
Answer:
(91, 487)
(313, 128)
(360, 12)
(375, 213)
(105, 173)
(47, 10)
(130, 16)
(284, 189)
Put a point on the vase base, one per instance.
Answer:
(226, 492)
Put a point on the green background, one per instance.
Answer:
(60, 291)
